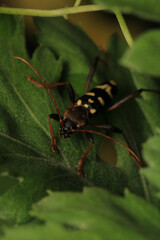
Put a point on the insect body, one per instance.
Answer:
(100, 96)
(87, 107)
(76, 116)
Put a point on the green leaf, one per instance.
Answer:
(144, 56)
(123, 118)
(151, 153)
(77, 50)
(8, 25)
(7, 182)
(144, 8)
(93, 214)
(24, 135)
(27, 153)
(138, 119)
(24, 131)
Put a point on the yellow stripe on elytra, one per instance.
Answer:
(79, 102)
(113, 82)
(102, 86)
(101, 101)
(92, 110)
(86, 105)
(107, 89)
(90, 100)
(90, 94)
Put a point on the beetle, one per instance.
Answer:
(82, 109)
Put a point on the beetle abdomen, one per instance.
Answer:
(98, 97)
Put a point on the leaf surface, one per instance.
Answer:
(139, 119)
(92, 214)
(144, 8)
(25, 137)
(25, 141)
(151, 154)
(144, 56)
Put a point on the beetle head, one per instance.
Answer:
(74, 117)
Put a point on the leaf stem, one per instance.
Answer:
(77, 3)
(145, 187)
(50, 13)
(124, 28)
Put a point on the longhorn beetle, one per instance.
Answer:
(84, 108)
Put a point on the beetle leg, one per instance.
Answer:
(80, 163)
(131, 96)
(70, 90)
(113, 139)
(111, 128)
(92, 71)
(54, 116)
(53, 141)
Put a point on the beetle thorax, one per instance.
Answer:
(78, 115)
(74, 117)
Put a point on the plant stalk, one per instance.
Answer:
(50, 13)
(124, 28)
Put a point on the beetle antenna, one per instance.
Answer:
(106, 136)
(54, 101)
